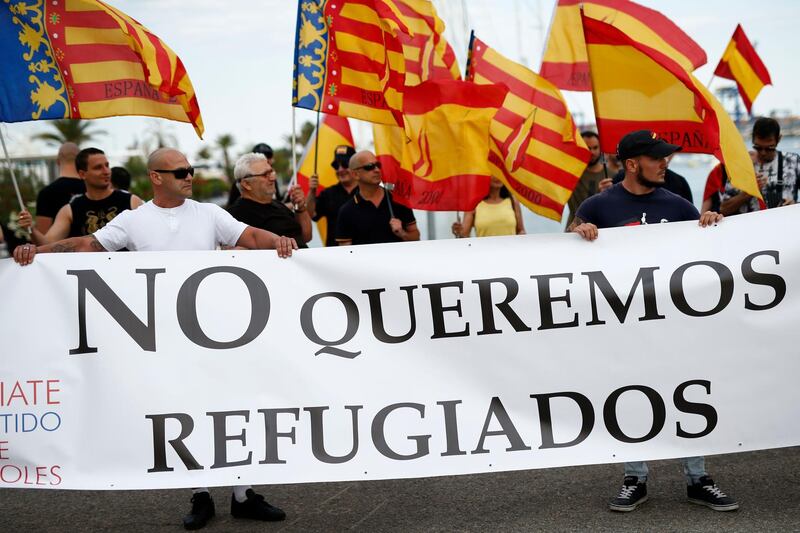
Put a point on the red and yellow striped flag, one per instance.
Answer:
(428, 56)
(642, 88)
(112, 65)
(349, 59)
(741, 63)
(537, 151)
(564, 62)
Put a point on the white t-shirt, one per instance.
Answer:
(190, 226)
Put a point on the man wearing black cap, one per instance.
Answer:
(330, 200)
(641, 199)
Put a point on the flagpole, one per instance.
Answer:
(316, 143)
(294, 147)
(708, 85)
(11, 169)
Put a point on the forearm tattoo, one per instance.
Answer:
(95, 245)
(63, 246)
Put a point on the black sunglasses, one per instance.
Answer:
(369, 167)
(179, 173)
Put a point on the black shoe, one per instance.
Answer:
(255, 508)
(705, 492)
(201, 513)
(631, 495)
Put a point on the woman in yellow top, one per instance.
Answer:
(497, 214)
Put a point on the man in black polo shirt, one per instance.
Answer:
(330, 200)
(371, 216)
(257, 207)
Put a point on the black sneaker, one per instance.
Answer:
(255, 508)
(201, 513)
(631, 495)
(705, 492)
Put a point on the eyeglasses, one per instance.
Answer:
(179, 173)
(767, 149)
(267, 174)
(369, 167)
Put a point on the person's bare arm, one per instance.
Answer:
(136, 201)
(311, 199)
(464, 228)
(301, 213)
(24, 254)
(518, 216)
(259, 239)
(409, 233)
(587, 230)
(58, 230)
(43, 223)
(731, 205)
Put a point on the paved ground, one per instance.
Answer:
(561, 499)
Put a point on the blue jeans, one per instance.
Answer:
(693, 467)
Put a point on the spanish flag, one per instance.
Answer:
(637, 87)
(86, 59)
(741, 63)
(446, 149)
(536, 148)
(349, 59)
(428, 56)
(564, 62)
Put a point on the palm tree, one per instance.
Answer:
(69, 130)
(224, 143)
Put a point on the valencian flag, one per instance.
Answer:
(741, 63)
(86, 59)
(447, 147)
(428, 56)
(564, 62)
(537, 150)
(639, 87)
(333, 133)
(348, 59)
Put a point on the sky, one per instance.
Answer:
(239, 55)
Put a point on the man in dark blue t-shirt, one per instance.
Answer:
(640, 199)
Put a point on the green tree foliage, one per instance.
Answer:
(225, 142)
(69, 130)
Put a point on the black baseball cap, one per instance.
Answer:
(263, 148)
(644, 142)
(342, 155)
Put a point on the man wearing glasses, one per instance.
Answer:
(777, 172)
(172, 221)
(257, 207)
(371, 216)
(330, 200)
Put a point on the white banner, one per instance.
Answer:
(155, 370)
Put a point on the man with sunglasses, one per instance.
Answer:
(778, 173)
(371, 216)
(172, 221)
(257, 207)
(330, 200)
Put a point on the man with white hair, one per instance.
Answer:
(257, 207)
